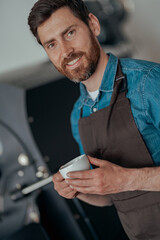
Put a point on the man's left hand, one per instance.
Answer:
(107, 178)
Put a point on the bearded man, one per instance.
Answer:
(116, 120)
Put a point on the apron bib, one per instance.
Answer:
(111, 134)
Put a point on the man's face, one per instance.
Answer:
(70, 44)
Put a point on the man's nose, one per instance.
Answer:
(66, 49)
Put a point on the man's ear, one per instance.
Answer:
(94, 24)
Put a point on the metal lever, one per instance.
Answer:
(27, 190)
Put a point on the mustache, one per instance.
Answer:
(71, 57)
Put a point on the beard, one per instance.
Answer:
(84, 71)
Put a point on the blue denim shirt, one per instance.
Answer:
(143, 83)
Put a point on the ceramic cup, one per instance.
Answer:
(79, 163)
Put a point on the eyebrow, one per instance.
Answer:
(63, 33)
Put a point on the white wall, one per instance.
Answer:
(18, 47)
(143, 29)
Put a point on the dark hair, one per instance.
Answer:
(43, 9)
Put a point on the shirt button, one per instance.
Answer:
(94, 109)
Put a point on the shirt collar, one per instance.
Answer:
(107, 83)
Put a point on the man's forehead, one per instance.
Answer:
(63, 15)
(59, 20)
(57, 23)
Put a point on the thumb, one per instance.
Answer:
(95, 161)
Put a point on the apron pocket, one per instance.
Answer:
(140, 216)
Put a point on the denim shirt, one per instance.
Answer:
(143, 84)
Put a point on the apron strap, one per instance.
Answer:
(120, 85)
(121, 77)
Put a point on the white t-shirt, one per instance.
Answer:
(94, 94)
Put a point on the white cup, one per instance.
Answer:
(79, 163)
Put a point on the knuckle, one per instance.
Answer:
(100, 182)
(85, 191)
(101, 192)
(62, 195)
(57, 187)
(55, 177)
(98, 174)
(69, 196)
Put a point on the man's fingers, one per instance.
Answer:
(57, 177)
(62, 187)
(95, 161)
(86, 190)
(68, 192)
(79, 182)
(80, 174)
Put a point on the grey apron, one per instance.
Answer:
(111, 134)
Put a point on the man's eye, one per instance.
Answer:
(51, 45)
(71, 33)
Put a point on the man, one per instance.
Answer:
(116, 120)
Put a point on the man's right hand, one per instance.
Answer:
(62, 187)
(66, 191)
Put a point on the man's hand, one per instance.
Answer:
(106, 179)
(62, 187)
